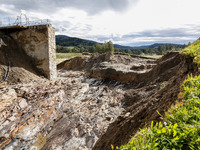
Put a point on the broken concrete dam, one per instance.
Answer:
(95, 100)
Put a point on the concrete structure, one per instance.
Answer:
(38, 42)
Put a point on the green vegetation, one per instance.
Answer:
(181, 128)
(181, 125)
(106, 47)
(159, 50)
(100, 48)
(40, 142)
(162, 85)
(67, 55)
(67, 44)
(193, 50)
(63, 56)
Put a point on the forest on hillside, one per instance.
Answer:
(66, 44)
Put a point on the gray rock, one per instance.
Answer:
(23, 104)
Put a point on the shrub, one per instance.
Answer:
(181, 128)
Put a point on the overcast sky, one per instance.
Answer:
(125, 22)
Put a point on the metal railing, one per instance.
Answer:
(27, 23)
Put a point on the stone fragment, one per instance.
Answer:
(12, 118)
(28, 132)
(23, 104)
(90, 141)
(7, 97)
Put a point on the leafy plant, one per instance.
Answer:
(162, 85)
(193, 50)
(181, 129)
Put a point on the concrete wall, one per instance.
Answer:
(38, 42)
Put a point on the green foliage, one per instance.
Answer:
(73, 41)
(193, 50)
(162, 85)
(106, 47)
(66, 55)
(181, 129)
(75, 45)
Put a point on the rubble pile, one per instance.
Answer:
(72, 112)
(96, 101)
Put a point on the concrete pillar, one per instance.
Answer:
(38, 42)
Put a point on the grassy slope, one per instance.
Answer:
(63, 56)
(67, 55)
(181, 128)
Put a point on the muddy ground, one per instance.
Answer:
(96, 101)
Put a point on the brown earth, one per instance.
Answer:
(153, 86)
(158, 94)
(96, 101)
(21, 68)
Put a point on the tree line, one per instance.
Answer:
(108, 47)
(160, 50)
(97, 48)
(67, 44)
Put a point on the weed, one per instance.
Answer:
(162, 85)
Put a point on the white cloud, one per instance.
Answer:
(145, 21)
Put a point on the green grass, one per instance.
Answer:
(70, 47)
(63, 56)
(193, 51)
(181, 127)
(67, 55)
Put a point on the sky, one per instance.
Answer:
(124, 22)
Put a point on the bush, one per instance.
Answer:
(193, 50)
(181, 128)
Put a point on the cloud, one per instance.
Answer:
(90, 6)
(177, 36)
(146, 37)
(190, 31)
(7, 10)
(127, 22)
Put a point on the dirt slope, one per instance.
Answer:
(21, 66)
(152, 85)
(97, 100)
(160, 92)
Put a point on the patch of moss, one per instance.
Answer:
(40, 142)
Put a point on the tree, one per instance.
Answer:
(111, 47)
(99, 48)
(108, 47)
(184, 46)
(160, 50)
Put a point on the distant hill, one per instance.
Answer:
(155, 45)
(64, 40)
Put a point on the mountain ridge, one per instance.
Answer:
(64, 40)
